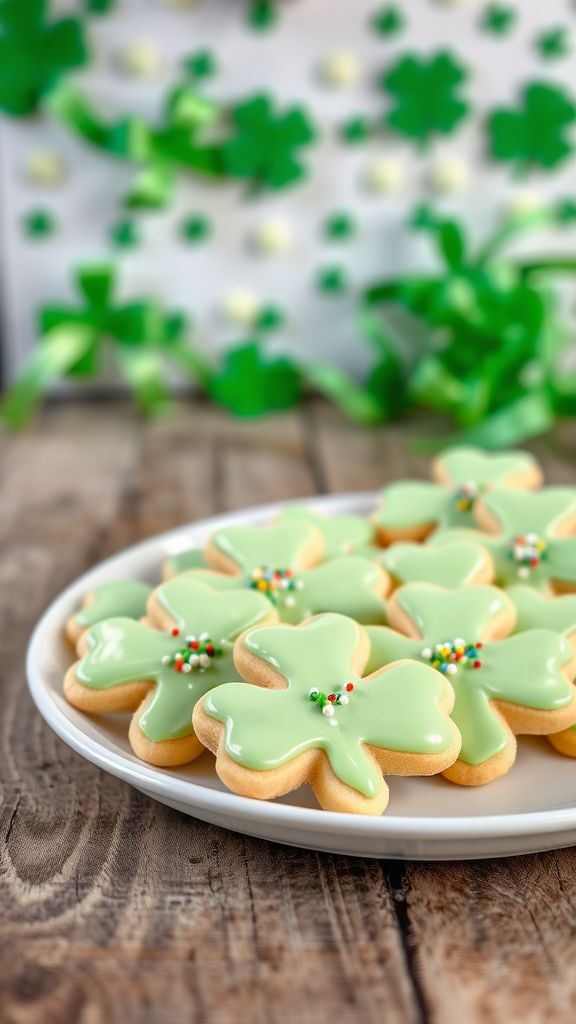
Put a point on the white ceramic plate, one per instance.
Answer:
(532, 809)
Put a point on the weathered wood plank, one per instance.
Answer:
(115, 908)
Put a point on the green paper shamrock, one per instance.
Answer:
(537, 132)
(125, 234)
(39, 224)
(332, 280)
(262, 14)
(426, 95)
(251, 384)
(267, 728)
(34, 53)
(356, 129)
(554, 43)
(388, 21)
(343, 534)
(270, 318)
(528, 536)
(264, 146)
(72, 340)
(340, 227)
(200, 65)
(521, 671)
(498, 19)
(413, 508)
(123, 651)
(196, 228)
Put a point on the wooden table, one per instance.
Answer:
(115, 908)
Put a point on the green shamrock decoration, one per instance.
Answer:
(264, 145)
(35, 52)
(528, 536)
(554, 43)
(426, 95)
(39, 224)
(458, 632)
(340, 227)
(250, 383)
(268, 727)
(200, 65)
(356, 130)
(196, 228)
(537, 133)
(499, 19)
(413, 508)
(332, 280)
(262, 14)
(125, 234)
(193, 618)
(142, 335)
(388, 21)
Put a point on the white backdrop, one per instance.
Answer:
(284, 62)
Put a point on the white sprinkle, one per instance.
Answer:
(186, 667)
(523, 572)
(385, 175)
(451, 669)
(314, 691)
(328, 710)
(341, 68)
(426, 652)
(289, 602)
(344, 699)
(166, 659)
(273, 237)
(204, 660)
(194, 659)
(459, 642)
(204, 636)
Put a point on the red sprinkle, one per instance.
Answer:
(332, 697)
(477, 664)
(175, 632)
(479, 646)
(209, 648)
(349, 686)
(533, 561)
(194, 645)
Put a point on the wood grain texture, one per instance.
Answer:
(114, 908)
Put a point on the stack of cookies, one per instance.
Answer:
(339, 650)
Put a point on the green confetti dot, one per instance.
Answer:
(39, 224)
(566, 210)
(262, 14)
(332, 280)
(553, 44)
(356, 130)
(499, 19)
(99, 7)
(200, 65)
(196, 228)
(270, 318)
(125, 234)
(340, 226)
(389, 21)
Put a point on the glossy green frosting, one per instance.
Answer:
(454, 564)
(123, 651)
(534, 610)
(120, 597)
(464, 463)
(524, 670)
(343, 535)
(265, 728)
(186, 560)
(346, 585)
(280, 545)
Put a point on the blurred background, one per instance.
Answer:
(259, 198)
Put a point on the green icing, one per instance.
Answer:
(533, 610)
(463, 463)
(523, 670)
(280, 545)
(121, 597)
(346, 585)
(454, 565)
(395, 710)
(122, 651)
(412, 503)
(342, 534)
(186, 560)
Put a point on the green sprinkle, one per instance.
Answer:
(389, 21)
(262, 14)
(498, 19)
(125, 234)
(332, 280)
(99, 6)
(553, 44)
(355, 130)
(339, 227)
(200, 65)
(270, 318)
(39, 224)
(196, 228)
(566, 210)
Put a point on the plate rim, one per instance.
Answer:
(158, 782)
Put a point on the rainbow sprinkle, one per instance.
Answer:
(198, 653)
(466, 495)
(327, 702)
(528, 551)
(275, 584)
(450, 655)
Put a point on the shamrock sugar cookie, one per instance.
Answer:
(192, 558)
(159, 673)
(504, 685)
(343, 535)
(530, 537)
(281, 547)
(412, 509)
(312, 717)
(120, 597)
(559, 613)
(459, 563)
(349, 585)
